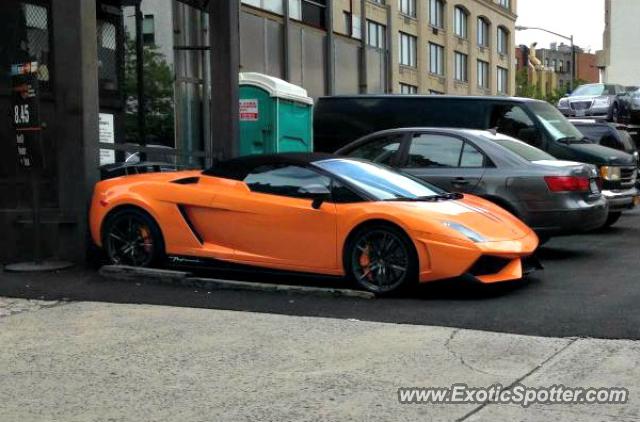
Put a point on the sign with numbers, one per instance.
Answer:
(26, 112)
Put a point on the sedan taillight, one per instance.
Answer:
(567, 183)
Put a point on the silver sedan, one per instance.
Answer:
(553, 197)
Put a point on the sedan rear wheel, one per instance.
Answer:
(382, 260)
(132, 238)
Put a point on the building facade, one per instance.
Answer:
(618, 63)
(462, 47)
(85, 67)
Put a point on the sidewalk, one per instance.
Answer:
(88, 361)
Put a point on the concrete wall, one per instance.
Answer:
(620, 42)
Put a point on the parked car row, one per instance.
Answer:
(607, 175)
(415, 189)
(610, 102)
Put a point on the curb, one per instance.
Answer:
(159, 276)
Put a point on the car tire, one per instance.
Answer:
(131, 237)
(612, 219)
(381, 259)
(615, 113)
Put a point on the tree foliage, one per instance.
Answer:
(158, 90)
(524, 88)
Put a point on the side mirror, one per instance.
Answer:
(318, 193)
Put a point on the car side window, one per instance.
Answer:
(381, 150)
(513, 121)
(285, 180)
(471, 157)
(431, 150)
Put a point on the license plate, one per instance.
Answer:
(581, 113)
(594, 187)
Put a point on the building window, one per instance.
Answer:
(460, 22)
(408, 7)
(408, 51)
(483, 74)
(408, 89)
(483, 32)
(568, 66)
(503, 40)
(313, 12)
(505, 3)
(376, 35)
(461, 67)
(25, 37)
(503, 80)
(353, 27)
(436, 59)
(436, 13)
(378, 1)
(274, 6)
(149, 30)
(546, 62)
(555, 65)
(434, 92)
(561, 66)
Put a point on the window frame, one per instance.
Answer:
(483, 32)
(461, 22)
(483, 82)
(437, 19)
(505, 78)
(410, 136)
(503, 41)
(397, 155)
(412, 49)
(276, 166)
(381, 34)
(411, 8)
(463, 76)
(439, 51)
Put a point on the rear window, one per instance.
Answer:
(525, 151)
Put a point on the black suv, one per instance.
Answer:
(340, 120)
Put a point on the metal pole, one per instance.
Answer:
(364, 76)
(573, 64)
(330, 68)
(142, 135)
(285, 40)
(224, 38)
(37, 226)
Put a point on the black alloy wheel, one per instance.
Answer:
(132, 238)
(382, 260)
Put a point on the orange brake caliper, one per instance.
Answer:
(146, 238)
(365, 263)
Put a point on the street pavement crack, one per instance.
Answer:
(15, 306)
(451, 350)
(520, 379)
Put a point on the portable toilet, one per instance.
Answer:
(275, 116)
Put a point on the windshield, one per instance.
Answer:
(380, 182)
(555, 123)
(525, 151)
(590, 90)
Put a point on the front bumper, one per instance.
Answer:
(443, 258)
(593, 112)
(620, 200)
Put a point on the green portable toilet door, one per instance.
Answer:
(257, 131)
(295, 127)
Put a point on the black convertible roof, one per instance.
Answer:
(239, 168)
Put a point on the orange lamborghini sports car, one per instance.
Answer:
(310, 213)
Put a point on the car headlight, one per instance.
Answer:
(563, 102)
(612, 174)
(465, 231)
(602, 102)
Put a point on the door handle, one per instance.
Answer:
(461, 181)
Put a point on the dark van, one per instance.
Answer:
(343, 119)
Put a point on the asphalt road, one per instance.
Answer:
(590, 288)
